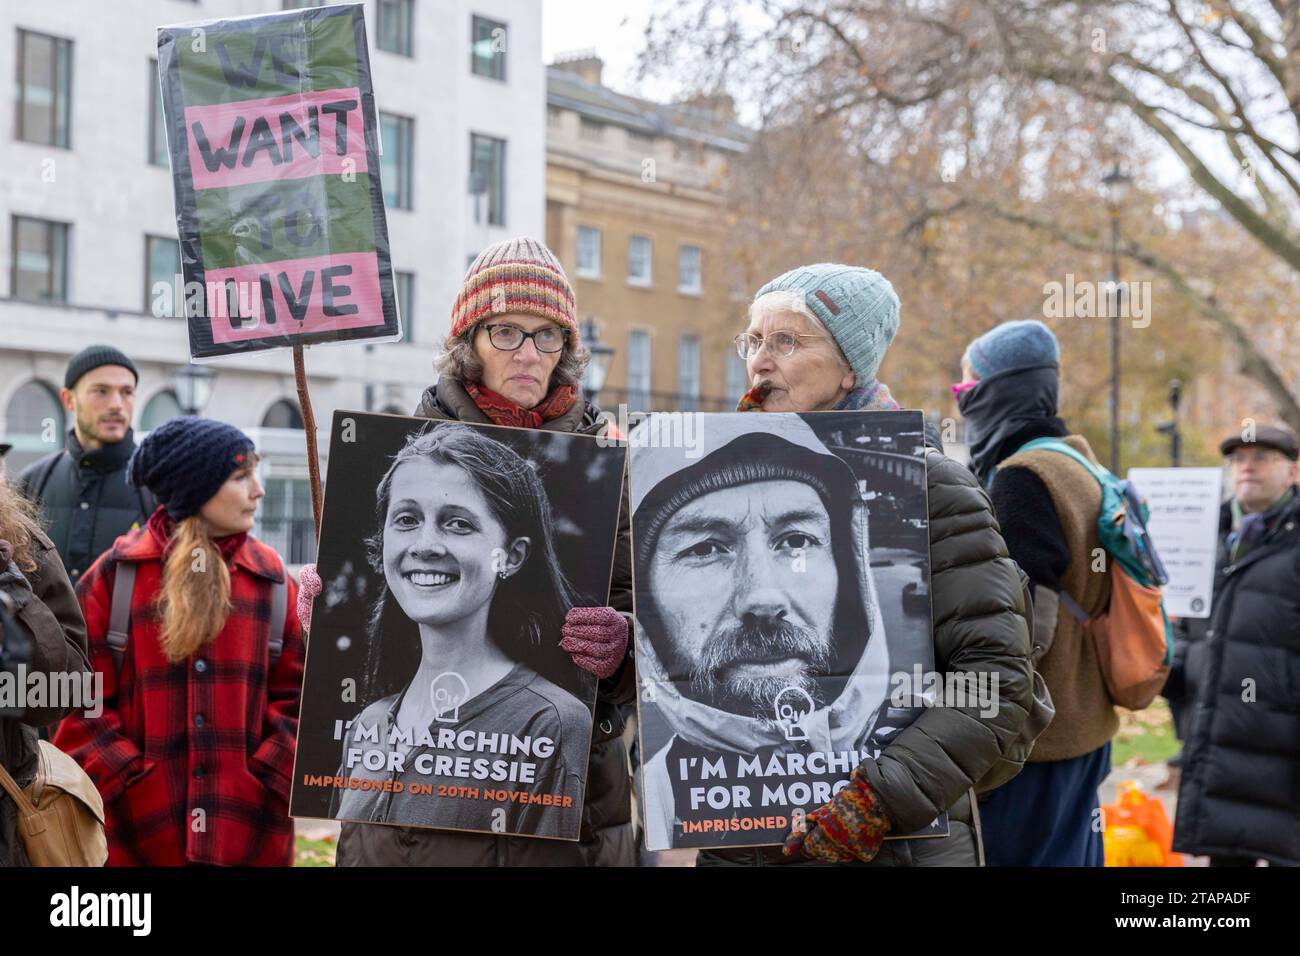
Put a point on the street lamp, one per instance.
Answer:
(1116, 184)
(593, 377)
(1170, 427)
(193, 385)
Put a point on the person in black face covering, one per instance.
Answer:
(1047, 505)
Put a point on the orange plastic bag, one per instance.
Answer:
(1136, 830)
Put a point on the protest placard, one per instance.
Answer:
(271, 130)
(782, 570)
(1184, 526)
(435, 692)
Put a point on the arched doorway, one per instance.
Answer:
(34, 425)
(283, 414)
(160, 409)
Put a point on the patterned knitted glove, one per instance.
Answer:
(752, 400)
(850, 827)
(596, 639)
(309, 587)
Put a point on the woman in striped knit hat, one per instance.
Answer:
(514, 357)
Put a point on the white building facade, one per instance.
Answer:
(87, 221)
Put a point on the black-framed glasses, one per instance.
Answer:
(781, 344)
(507, 338)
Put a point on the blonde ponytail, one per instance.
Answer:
(195, 598)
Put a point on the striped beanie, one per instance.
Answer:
(518, 275)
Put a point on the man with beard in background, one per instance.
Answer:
(85, 500)
(753, 584)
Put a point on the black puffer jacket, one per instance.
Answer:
(1191, 648)
(607, 838)
(85, 501)
(50, 619)
(1240, 788)
(979, 627)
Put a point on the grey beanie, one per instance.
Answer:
(858, 306)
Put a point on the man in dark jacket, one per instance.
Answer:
(85, 500)
(1238, 797)
(1047, 505)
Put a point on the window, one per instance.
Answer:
(395, 165)
(639, 264)
(588, 252)
(44, 99)
(591, 130)
(688, 270)
(283, 414)
(638, 371)
(737, 376)
(157, 130)
(33, 425)
(160, 409)
(285, 519)
(40, 260)
(396, 26)
(487, 56)
(404, 283)
(554, 117)
(688, 373)
(162, 263)
(640, 142)
(487, 178)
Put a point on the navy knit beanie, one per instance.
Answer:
(186, 461)
(1011, 345)
(93, 357)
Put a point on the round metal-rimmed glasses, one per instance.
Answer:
(781, 344)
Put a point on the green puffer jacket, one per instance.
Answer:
(606, 835)
(948, 753)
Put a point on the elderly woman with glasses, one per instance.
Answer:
(514, 358)
(816, 338)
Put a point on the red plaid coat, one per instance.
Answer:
(193, 759)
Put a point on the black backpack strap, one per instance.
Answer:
(119, 614)
(279, 610)
(42, 478)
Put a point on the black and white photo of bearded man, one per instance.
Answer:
(753, 583)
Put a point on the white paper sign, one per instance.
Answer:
(1184, 525)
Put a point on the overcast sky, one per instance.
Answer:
(613, 28)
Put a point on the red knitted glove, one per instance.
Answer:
(309, 588)
(850, 827)
(596, 639)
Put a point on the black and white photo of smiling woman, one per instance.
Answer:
(472, 717)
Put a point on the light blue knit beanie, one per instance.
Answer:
(1017, 344)
(858, 307)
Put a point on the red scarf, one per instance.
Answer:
(502, 411)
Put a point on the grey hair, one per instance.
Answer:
(459, 361)
(770, 303)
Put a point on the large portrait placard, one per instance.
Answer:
(782, 572)
(435, 692)
(271, 131)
